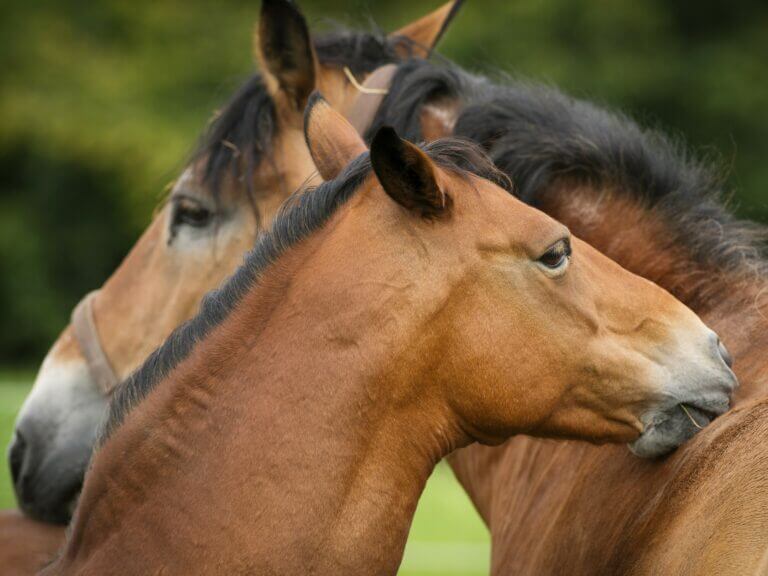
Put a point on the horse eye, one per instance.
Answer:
(556, 255)
(187, 211)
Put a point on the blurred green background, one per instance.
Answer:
(101, 102)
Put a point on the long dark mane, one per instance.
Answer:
(302, 214)
(540, 137)
(236, 142)
(534, 134)
(239, 137)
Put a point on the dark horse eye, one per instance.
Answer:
(190, 212)
(557, 254)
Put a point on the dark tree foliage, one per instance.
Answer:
(102, 102)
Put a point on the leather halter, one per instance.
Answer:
(84, 327)
(361, 115)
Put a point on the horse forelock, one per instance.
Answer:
(236, 142)
(240, 134)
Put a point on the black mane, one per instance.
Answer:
(302, 214)
(534, 134)
(539, 137)
(240, 135)
(236, 142)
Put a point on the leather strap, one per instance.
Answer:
(87, 337)
(372, 93)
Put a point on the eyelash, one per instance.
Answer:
(557, 255)
(190, 213)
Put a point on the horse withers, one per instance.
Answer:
(406, 308)
(252, 157)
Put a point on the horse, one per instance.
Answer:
(391, 315)
(252, 156)
(33, 543)
(640, 199)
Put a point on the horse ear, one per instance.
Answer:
(331, 139)
(425, 32)
(284, 49)
(407, 175)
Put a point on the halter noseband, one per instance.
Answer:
(87, 337)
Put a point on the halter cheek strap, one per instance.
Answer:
(84, 327)
(372, 93)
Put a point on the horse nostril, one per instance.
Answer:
(16, 456)
(724, 354)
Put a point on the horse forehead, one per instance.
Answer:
(289, 165)
(192, 178)
(492, 210)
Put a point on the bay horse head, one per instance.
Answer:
(251, 159)
(621, 338)
(408, 307)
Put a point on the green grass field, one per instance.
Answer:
(447, 537)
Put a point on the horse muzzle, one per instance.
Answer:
(54, 438)
(699, 392)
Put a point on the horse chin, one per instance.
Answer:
(56, 508)
(669, 429)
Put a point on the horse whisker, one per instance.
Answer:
(693, 421)
(360, 87)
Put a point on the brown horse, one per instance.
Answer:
(576, 509)
(253, 156)
(27, 544)
(703, 510)
(383, 322)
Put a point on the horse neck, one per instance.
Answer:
(732, 301)
(628, 232)
(317, 456)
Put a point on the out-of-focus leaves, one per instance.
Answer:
(100, 103)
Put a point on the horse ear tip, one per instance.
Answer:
(315, 99)
(453, 8)
(280, 8)
(457, 5)
(268, 4)
(385, 134)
